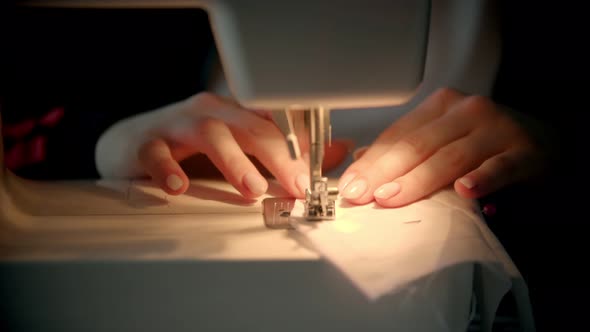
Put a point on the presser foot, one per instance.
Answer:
(319, 212)
(276, 212)
(320, 203)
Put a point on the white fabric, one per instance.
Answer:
(383, 250)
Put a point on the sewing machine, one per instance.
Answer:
(208, 256)
(314, 50)
(291, 56)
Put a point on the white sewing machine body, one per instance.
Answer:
(121, 255)
(312, 54)
(278, 54)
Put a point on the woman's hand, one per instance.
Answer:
(155, 142)
(449, 138)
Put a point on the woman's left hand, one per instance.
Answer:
(449, 138)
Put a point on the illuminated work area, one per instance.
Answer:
(262, 166)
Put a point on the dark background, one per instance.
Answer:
(100, 66)
(104, 65)
(545, 226)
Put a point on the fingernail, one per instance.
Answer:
(359, 152)
(345, 180)
(387, 190)
(255, 183)
(467, 182)
(355, 189)
(302, 182)
(174, 182)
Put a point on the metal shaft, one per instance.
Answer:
(316, 140)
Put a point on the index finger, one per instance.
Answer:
(430, 109)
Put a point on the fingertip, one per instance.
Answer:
(345, 179)
(400, 193)
(386, 195)
(467, 182)
(255, 184)
(156, 159)
(175, 184)
(295, 179)
(358, 191)
(465, 193)
(467, 187)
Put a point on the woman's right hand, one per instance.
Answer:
(155, 142)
